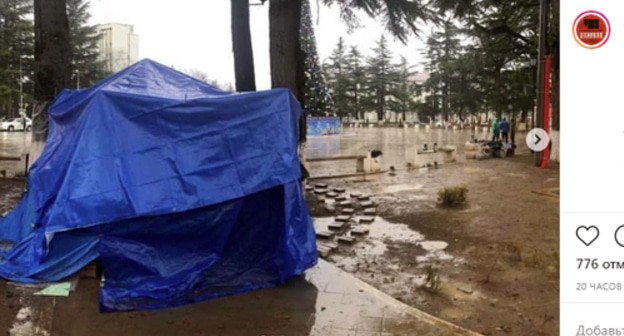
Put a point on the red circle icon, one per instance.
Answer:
(591, 29)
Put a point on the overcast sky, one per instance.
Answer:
(195, 34)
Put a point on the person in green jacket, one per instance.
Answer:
(495, 129)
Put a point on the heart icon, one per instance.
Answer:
(587, 235)
(619, 236)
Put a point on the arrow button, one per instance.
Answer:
(534, 139)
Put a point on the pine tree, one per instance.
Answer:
(317, 100)
(86, 67)
(356, 83)
(442, 50)
(337, 76)
(16, 50)
(381, 73)
(404, 91)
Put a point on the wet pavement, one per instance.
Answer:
(329, 301)
(13, 144)
(398, 146)
(325, 302)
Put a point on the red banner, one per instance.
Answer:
(546, 102)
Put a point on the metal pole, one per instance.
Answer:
(541, 53)
(21, 85)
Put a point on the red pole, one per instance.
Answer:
(546, 102)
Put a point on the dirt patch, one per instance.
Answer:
(499, 274)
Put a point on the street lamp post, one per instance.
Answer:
(533, 85)
(77, 73)
(21, 109)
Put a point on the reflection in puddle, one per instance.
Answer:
(433, 245)
(398, 188)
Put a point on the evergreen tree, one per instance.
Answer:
(441, 54)
(16, 50)
(465, 96)
(338, 77)
(404, 91)
(356, 82)
(381, 78)
(86, 67)
(317, 100)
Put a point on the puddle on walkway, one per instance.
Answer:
(435, 251)
(35, 314)
(383, 233)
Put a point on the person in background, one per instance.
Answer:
(495, 129)
(504, 128)
(512, 132)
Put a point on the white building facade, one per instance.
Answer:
(118, 45)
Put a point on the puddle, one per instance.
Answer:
(397, 232)
(383, 233)
(398, 188)
(433, 245)
(380, 229)
(24, 326)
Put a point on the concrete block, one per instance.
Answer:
(370, 211)
(346, 204)
(368, 164)
(337, 226)
(347, 211)
(346, 240)
(342, 218)
(359, 231)
(331, 195)
(367, 219)
(325, 234)
(328, 244)
(321, 186)
(341, 198)
(367, 204)
(339, 190)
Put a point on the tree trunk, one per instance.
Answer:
(380, 105)
(52, 59)
(445, 93)
(523, 116)
(241, 45)
(287, 58)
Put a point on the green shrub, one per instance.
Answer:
(453, 196)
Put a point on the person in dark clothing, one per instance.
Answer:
(504, 127)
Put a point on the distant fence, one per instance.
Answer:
(323, 126)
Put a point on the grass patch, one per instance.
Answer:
(453, 196)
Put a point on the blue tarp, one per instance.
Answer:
(184, 191)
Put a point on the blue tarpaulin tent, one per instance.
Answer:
(184, 191)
